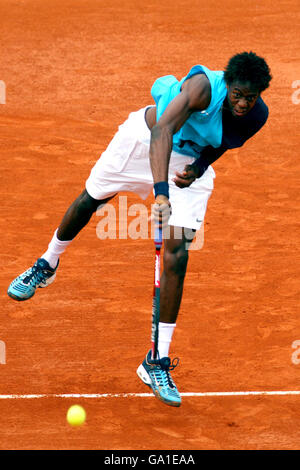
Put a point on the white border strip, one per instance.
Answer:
(144, 395)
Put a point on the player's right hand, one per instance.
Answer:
(161, 211)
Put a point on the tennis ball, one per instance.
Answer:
(76, 415)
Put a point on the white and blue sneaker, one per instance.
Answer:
(156, 374)
(39, 275)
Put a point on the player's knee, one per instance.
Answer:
(175, 261)
(86, 204)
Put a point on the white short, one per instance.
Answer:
(125, 166)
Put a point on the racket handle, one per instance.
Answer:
(158, 238)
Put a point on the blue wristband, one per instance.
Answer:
(161, 188)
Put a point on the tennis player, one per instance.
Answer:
(169, 146)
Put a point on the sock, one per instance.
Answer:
(55, 248)
(165, 333)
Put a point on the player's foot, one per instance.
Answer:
(39, 275)
(156, 374)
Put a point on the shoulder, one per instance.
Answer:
(198, 90)
(259, 113)
(254, 120)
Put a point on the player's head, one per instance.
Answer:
(247, 76)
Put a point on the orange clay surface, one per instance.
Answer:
(73, 71)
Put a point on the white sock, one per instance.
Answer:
(165, 333)
(55, 248)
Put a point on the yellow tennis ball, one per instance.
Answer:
(76, 415)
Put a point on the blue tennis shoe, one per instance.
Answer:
(39, 275)
(156, 374)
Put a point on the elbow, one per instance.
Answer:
(161, 133)
(156, 132)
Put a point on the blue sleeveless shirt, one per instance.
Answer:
(202, 128)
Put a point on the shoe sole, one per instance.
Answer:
(144, 376)
(20, 299)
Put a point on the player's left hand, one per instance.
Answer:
(187, 177)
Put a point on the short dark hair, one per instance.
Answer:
(248, 67)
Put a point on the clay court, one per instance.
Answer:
(73, 71)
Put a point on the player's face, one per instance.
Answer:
(241, 98)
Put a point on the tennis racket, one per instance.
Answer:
(156, 293)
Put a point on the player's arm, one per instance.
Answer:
(233, 139)
(195, 96)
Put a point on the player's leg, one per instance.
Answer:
(188, 210)
(74, 220)
(78, 215)
(43, 272)
(175, 264)
(156, 373)
(123, 166)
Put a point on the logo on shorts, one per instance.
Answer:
(199, 220)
